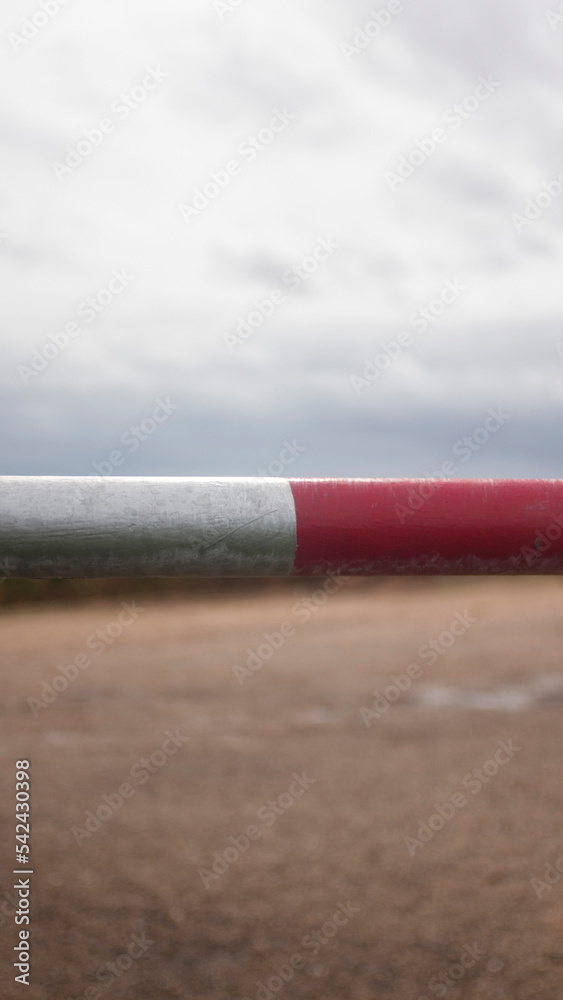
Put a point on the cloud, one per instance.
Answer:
(324, 176)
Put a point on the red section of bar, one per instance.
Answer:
(368, 527)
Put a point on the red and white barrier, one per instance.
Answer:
(101, 527)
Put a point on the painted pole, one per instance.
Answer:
(66, 527)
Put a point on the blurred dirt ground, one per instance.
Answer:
(411, 916)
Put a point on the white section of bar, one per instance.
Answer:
(64, 527)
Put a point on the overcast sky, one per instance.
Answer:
(158, 98)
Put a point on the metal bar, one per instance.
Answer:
(65, 527)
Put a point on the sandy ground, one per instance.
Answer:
(134, 909)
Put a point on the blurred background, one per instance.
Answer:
(358, 106)
(243, 238)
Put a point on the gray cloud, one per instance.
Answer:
(324, 175)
